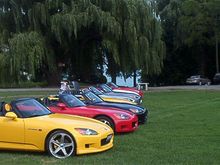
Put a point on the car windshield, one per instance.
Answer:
(106, 88)
(92, 97)
(96, 91)
(197, 76)
(71, 101)
(30, 108)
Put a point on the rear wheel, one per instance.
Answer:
(107, 121)
(60, 144)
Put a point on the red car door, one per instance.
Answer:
(80, 111)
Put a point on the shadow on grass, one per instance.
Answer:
(18, 153)
(44, 155)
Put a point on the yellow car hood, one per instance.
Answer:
(71, 121)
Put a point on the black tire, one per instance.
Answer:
(63, 148)
(107, 121)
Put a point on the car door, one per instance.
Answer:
(81, 111)
(11, 133)
(72, 110)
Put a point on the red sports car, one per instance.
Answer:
(118, 119)
(116, 88)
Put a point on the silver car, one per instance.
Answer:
(198, 79)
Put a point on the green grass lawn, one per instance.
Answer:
(14, 95)
(183, 128)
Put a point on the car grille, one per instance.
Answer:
(133, 124)
(106, 140)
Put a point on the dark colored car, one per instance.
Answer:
(216, 79)
(91, 99)
(198, 80)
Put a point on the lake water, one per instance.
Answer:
(120, 80)
(123, 82)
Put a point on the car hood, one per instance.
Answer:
(125, 96)
(70, 122)
(107, 109)
(122, 94)
(121, 106)
(131, 91)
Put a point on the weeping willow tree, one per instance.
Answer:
(27, 48)
(27, 53)
(81, 34)
(140, 46)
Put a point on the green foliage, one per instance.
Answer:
(4, 68)
(190, 31)
(44, 33)
(27, 52)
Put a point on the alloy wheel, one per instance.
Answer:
(61, 145)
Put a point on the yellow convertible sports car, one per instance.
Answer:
(25, 124)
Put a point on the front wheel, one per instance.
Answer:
(60, 144)
(107, 121)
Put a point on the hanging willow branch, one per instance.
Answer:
(27, 53)
(128, 30)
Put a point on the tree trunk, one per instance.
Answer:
(134, 78)
(216, 51)
(114, 77)
(53, 78)
(203, 64)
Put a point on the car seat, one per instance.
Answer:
(76, 87)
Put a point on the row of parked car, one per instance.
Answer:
(75, 121)
(202, 80)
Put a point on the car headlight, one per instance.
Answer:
(135, 97)
(135, 110)
(122, 116)
(138, 97)
(86, 131)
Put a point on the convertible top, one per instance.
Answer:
(1, 108)
(1, 104)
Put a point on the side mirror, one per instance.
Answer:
(11, 115)
(61, 105)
